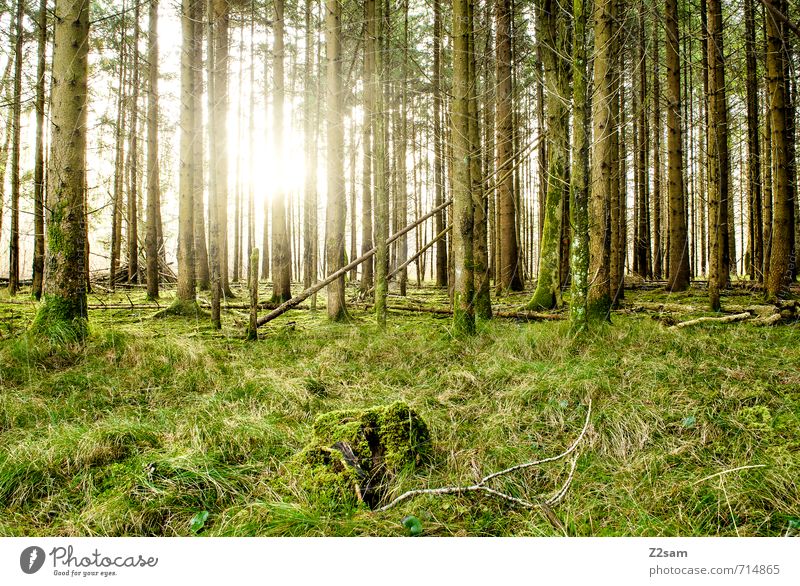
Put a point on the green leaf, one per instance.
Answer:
(413, 525)
(198, 521)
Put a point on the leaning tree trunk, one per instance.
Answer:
(63, 315)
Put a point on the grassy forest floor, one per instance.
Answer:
(156, 420)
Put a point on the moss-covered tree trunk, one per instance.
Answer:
(579, 188)
(63, 314)
(604, 122)
(678, 232)
(335, 211)
(554, 45)
(281, 247)
(463, 204)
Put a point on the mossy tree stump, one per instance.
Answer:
(355, 453)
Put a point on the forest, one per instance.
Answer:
(399, 268)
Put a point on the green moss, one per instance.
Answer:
(356, 452)
(62, 320)
(182, 308)
(757, 418)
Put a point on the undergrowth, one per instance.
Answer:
(155, 420)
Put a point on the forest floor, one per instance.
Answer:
(156, 420)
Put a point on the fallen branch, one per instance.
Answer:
(722, 320)
(482, 487)
(728, 472)
(298, 299)
(526, 315)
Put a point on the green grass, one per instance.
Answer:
(155, 420)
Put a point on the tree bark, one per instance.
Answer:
(63, 315)
(39, 194)
(16, 148)
(151, 235)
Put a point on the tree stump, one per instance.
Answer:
(355, 453)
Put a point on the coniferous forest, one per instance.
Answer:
(399, 267)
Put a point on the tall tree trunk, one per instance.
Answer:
(402, 171)
(779, 276)
(463, 203)
(39, 195)
(381, 190)
(186, 264)
(221, 20)
(438, 146)
(656, 194)
(579, 177)
(151, 236)
(678, 233)
(217, 173)
(200, 248)
(309, 136)
(16, 148)
(718, 163)
(554, 49)
(281, 246)
(119, 157)
(63, 315)
(508, 269)
(335, 212)
(642, 242)
(367, 277)
(133, 155)
(603, 115)
(756, 230)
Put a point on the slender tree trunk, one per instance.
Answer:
(678, 233)
(63, 315)
(753, 148)
(438, 146)
(718, 164)
(16, 148)
(217, 173)
(186, 264)
(309, 136)
(402, 171)
(335, 213)
(599, 296)
(554, 48)
(463, 203)
(133, 166)
(579, 178)
(656, 194)
(642, 242)
(199, 224)
(779, 276)
(39, 195)
(508, 269)
(281, 245)
(151, 236)
(119, 158)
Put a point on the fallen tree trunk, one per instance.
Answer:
(721, 320)
(526, 315)
(298, 299)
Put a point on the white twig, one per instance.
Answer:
(728, 472)
(481, 486)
